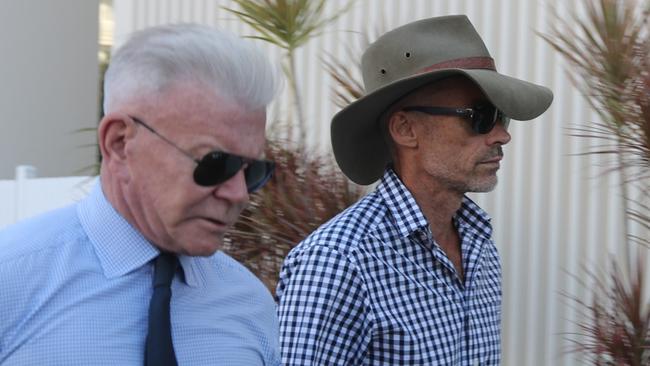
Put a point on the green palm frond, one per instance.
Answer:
(278, 218)
(288, 24)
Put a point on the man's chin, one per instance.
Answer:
(484, 186)
(206, 249)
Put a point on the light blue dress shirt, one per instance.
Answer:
(75, 285)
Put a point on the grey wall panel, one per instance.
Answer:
(48, 89)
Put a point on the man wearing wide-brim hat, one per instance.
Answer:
(409, 275)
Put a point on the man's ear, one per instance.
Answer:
(115, 129)
(402, 130)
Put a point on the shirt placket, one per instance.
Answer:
(447, 272)
(472, 248)
(471, 245)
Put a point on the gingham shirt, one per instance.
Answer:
(372, 287)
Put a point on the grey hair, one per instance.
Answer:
(154, 58)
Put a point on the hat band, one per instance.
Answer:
(463, 63)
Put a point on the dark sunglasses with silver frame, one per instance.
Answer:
(217, 167)
(482, 116)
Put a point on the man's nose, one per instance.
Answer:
(499, 135)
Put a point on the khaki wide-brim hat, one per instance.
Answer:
(410, 57)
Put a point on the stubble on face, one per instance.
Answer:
(479, 179)
(487, 181)
(453, 157)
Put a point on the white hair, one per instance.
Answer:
(154, 58)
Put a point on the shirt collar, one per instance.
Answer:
(470, 216)
(409, 217)
(194, 269)
(118, 245)
(121, 248)
(401, 204)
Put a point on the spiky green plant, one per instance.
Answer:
(307, 189)
(288, 24)
(608, 52)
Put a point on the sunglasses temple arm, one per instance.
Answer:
(182, 151)
(443, 111)
(166, 140)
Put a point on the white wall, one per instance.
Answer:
(23, 198)
(48, 84)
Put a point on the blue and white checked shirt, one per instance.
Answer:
(371, 287)
(75, 286)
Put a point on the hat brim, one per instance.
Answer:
(358, 146)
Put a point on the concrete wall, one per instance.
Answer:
(48, 85)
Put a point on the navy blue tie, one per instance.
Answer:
(159, 349)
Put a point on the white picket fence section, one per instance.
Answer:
(27, 196)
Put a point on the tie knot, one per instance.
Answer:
(164, 269)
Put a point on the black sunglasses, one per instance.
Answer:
(483, 116)
(217, 167)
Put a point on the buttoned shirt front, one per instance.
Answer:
(372, 287)
(76, 283)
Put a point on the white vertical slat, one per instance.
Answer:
(512, 243)
(175, 11)
(581, 189)
(8, 207)
(554, 152)
(537, 192)
(151, 10)
(567, 189)
(23, 174)
(185, 10)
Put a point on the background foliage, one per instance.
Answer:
(609, 56)
(307, 189)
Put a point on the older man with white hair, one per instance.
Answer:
(133, 274)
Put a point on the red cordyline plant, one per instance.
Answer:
(609, 52)
(617, 329)
(307, 188)
(303, 194)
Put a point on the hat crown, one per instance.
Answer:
(414, 47)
